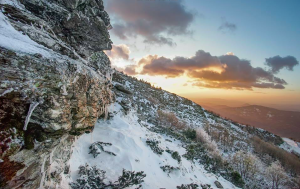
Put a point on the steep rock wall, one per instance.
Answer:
(53, 76)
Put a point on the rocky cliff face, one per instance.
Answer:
(55, 82)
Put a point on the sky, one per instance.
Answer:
(229, 49)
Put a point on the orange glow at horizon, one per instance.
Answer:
(183, 87)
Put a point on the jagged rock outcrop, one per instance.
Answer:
(53, 75)
(70, 27)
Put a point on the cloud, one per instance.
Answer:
(159, 40)
(237, 85)
(229, 53)
(173, 68)
(227, 27)
(154, 65)
(130, 70)
(119, 52)
(227, 71)
(277, 63)
(150, 19)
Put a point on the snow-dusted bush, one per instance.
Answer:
(175, 155)
(98, 147)
(202, 136)
(289, 161)
(168, 169)
(169, 119)
(194, 152)
(153, 100)
(94, 178)
(237, 179)
(207, 128)
(276, 175)
(190, 134)
(154, 146)
(89, 178)
(209, 144)
(130, 178)
(188, 186)
(246, 164)
(206, 186)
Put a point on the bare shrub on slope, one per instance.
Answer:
(169, 119)
(246, 164)
(276, 175)
(289, 161)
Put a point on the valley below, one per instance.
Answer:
(281, 122)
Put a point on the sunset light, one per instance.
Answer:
(149, 94)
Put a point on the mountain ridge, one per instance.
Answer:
(280, 122)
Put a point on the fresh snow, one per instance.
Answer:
(128, 139)
(290, 145)
(16, 41)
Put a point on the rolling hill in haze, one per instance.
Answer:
(281, 122)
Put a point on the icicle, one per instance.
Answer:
(106, 112)
(111, 94)
(43, 173)
(51, 155)
(108, 76)
(31, 108)
(7, 91)
(64, 90)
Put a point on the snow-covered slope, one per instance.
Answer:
(291, 146)
(128, 139)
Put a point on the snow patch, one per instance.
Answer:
(128, 139)
(290, 146)
(14, 40)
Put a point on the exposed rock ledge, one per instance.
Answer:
(53, 74)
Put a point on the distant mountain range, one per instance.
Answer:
(281, 122)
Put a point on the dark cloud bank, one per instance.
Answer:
(226, 71)
(277, 63)
(150, 19)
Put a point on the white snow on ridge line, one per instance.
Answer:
(128, 140)
(14, 40)
(290, 145)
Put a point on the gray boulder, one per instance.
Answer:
(218, 184)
